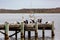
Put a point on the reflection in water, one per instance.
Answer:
(40, 38)
(46, 38)
(32, 38)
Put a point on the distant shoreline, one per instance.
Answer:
(49, 10)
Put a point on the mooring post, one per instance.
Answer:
(36, 31)
(52, 31)
(24, 34)
(43, 33)
(6, 30)
(29, 35)
(16, 35)
(52, 38)
(22, 30)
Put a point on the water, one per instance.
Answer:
(40, 38)
(46, 17)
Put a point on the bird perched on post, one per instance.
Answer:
(39, 20)
(6, 22)
(32, 21)
(32, 18)
(18, 22)
(26, 21)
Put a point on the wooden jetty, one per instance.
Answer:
(22, 27)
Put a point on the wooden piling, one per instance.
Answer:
(52, 31)
(24, 34)
(29, 35)
(52, 38)
(16, 35)
(43, 33)
(6, 31)
(22, 30)
(36, 31)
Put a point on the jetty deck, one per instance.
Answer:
(13, 27)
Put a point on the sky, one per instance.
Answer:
(19, 4)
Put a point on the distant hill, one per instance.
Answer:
(51, 10)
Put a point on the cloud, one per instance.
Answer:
(17, 4)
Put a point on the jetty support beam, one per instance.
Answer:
(43, 33)
(16, 35)
(22, 30)
(13, 34)
(36, 31)
(29, 35)
(52, 31)
(6, 30)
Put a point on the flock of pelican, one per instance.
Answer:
(32, 19)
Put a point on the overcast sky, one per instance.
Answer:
(18, 4)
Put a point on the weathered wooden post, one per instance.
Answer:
(22, 30)
(29, 32)
(29, 35)
(52, 31)
(52, 38)
(24, 34)
(6, 30)
(43, 32)
(36, 31)
(16, 35)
